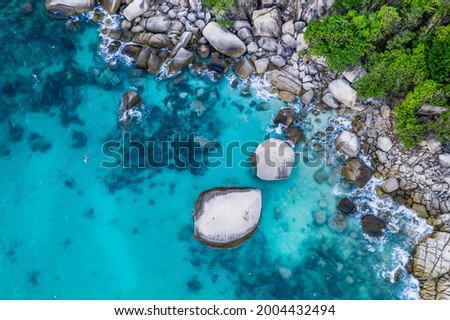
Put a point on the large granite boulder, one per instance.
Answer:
(348, 143)
(154, 63)
(373, 226)
(224, 41)
(157, 24)
(273, 159)
(293, 134)
(111, 5)
(244, 68)
(225, 217)
(284, 81)
(267, 22)
(67, 8)
(342, 91)
(135, 9)
(181, 61)
(432, 257)
(356, 171)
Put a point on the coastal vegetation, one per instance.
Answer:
(405, 48)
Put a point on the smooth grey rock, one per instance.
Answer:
(348, 143)
(433, 144)
(158, 24)
(182, 43)
(308, 97)
(154, 64)
(288, 28)
(67, 8)
(268, 43)
(274, 159)
(244, 34)
(384, 143)
(225, 217)
(444, 160)
(330, 101)
(160, 40)
(252, 47)
(278, 61)
(285, 82)
(135, 9)
(301, 43)
(390, 185)
(354, 74)
(267, 22)
(224, 41)
(290, 41)
(342, 91)
(261, 65)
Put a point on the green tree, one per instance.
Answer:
(392, 72)
(412, 128)
(439, 57)
(337, 39)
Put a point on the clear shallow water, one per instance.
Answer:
(71, 230)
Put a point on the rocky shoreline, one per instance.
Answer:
(266, 37)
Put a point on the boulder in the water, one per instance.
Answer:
(356, 171)
(285, 116)
(348, 143)
(274, 159)
(373, 226)
(346, 206)
(294, 134)
(227, 216)
(65, 8)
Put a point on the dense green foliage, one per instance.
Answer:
(220, 5)
(404, 45)
(224, 22)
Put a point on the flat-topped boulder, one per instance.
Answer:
(67, 8)
(224, 41)
(273, 159)
(372, 226)
(225, 217)
(284, 81)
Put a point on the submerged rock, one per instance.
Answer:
(224, 41)
(294, 134)
(373, 226)
(65, 8)
(227, 216)
(130, 99)
(337, 223)
(356, 171)
(348, 143)
(274, 159)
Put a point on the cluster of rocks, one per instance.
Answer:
(418, 178)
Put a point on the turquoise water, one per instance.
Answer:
(75, 230)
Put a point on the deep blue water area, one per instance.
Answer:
(76, 230)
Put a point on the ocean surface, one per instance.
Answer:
(76, 230)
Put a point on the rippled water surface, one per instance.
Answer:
(75, 230)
